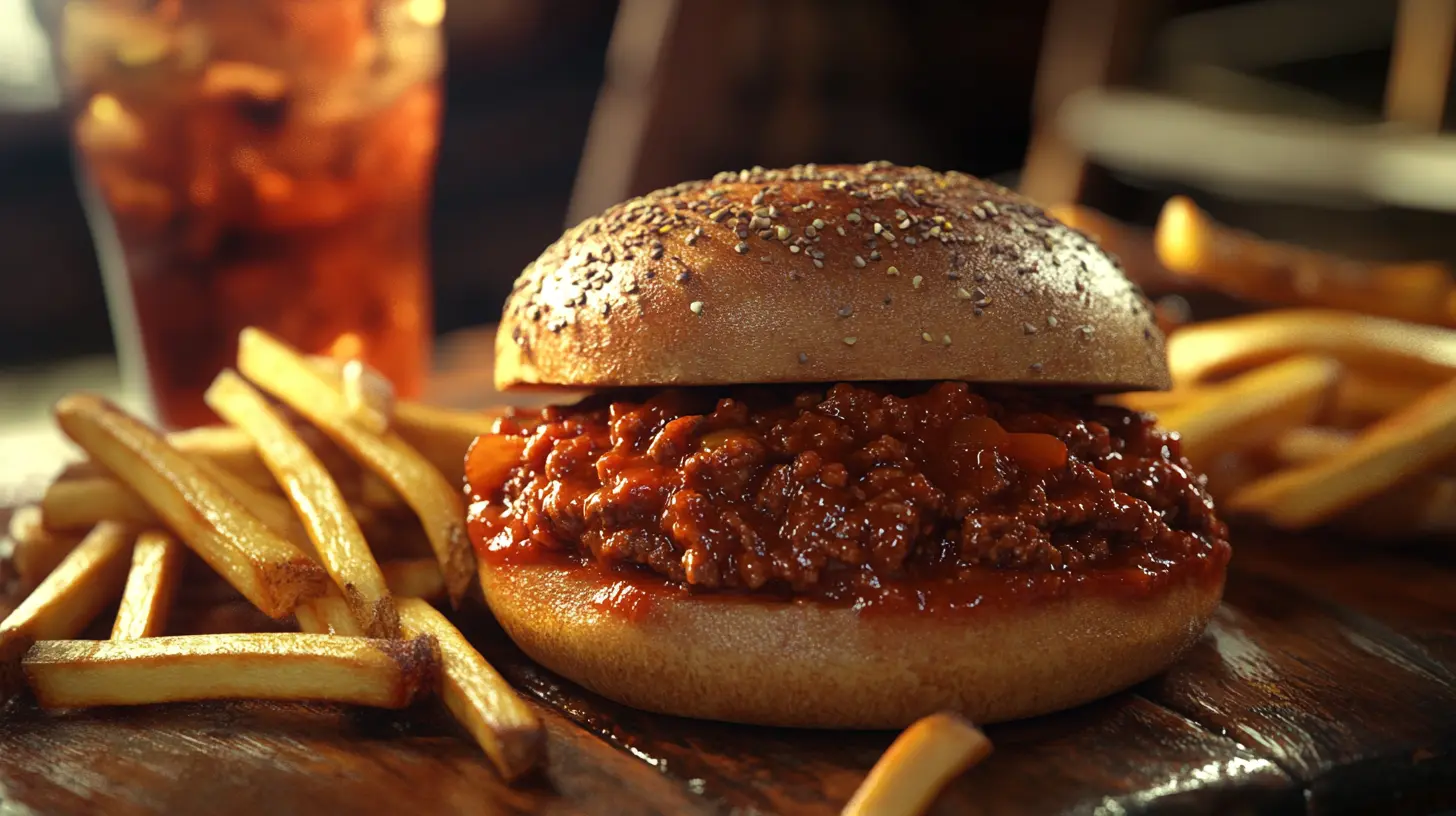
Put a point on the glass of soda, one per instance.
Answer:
(257, 163)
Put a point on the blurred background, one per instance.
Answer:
(1313, 121)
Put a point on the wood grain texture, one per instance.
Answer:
(1325, 685)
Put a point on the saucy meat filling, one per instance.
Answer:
(802, 490)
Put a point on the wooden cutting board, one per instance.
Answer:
(1325, 684)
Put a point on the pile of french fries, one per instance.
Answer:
(1335, 409)
(323, 502)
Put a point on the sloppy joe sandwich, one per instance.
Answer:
(842, 465)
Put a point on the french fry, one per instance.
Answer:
(1301, 446)
(327, 616)
(146, 602)
(1394, 348)
(1155, 402)
(1403, 445)
(269, 666)
(78, 504)
(414, 578)
(1254, 408)
(1362, 397)
(1239, 264)
(368, 396)
(330, 525)
(376, 494)
(442, 435)
(268, 570)
(480, 699)
(270, 508)
(918, 765)
(37, 548)
(68, 599)
(229, 449)
(281, 371)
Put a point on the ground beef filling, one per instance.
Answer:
(796, 490)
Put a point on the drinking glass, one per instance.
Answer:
(257, 163)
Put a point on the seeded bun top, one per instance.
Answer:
(867, 272)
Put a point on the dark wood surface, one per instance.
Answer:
(1326, 684)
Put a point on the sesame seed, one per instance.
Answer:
(945, 339)
(915, 281)
(1028, 328)
(926, 336)
(853, 218)
(692, 239)
(719, 216)
(910, 239)
(764, 259)
(762, 212)
(1052, 321)
(839, 230)
(759, 223)
(794, 249)
(893, 272)
(818, 264)
(696, 306)
(900, 214)
(811, 231)
(741, 248)
(766, 234)
(782, 232)
(684, 276)
(879, 228)
(905, 224)
(889, 236)
(818, 224)
(758, 198)
(665, 228)
(875, 255)
(962, 294)
(849, 341)
(859, 262)
(1036, 367)
(803, 358)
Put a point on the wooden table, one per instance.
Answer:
(1326, 684)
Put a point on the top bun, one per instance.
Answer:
(822, 274)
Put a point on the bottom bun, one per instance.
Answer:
(809, 665)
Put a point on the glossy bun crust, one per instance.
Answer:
(866, 272)
(809, 665)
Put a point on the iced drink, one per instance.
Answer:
(258, 162)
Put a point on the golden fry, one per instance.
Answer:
(78, 504)
(37, 548)
(269, 571)
(272, 666)
(442, 435)
(1362, 397)
(414, 578)
(88, 579)
(1403, 445)
(1206, 350)
(330, 525)
(1254, 408)
(156, 566)
(1237, 263)
(480, 699)
(1301, 446)
(229, 449)
(281, 371)
(918, 765)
